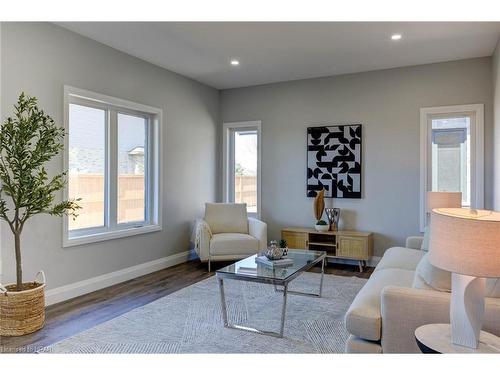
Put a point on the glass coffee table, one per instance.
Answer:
(247, 270)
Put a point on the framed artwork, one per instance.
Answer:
(334, 161)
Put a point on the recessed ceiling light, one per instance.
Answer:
(235, 62)
(396, 36)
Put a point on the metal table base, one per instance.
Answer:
(285, 292)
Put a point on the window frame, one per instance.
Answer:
(153, 156)
(228, 157)
(476, 111)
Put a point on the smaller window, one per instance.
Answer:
(112, 158)
(451, 154)
(242, 164)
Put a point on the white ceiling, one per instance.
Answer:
(283, 51)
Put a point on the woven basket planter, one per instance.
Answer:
(22, 312)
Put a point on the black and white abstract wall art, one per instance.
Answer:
(334, 161)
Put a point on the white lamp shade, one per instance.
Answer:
(465, 241)
(443, 199)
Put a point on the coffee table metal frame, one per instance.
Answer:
(276, 282)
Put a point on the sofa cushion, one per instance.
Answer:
(400, 257)
(233, 244)
(363, 319)
(227, 217)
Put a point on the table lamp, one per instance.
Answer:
(466, 242)
(443, 199)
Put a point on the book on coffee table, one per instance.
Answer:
(283, 262)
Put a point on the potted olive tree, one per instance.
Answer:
(28, 140)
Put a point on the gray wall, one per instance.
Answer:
(40, 58)
(387, 103)
(496, 127)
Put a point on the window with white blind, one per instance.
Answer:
(112, 159)
(452, 153)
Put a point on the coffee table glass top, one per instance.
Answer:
(248, 269)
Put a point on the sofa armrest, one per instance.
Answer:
(201, 238)
(258, 229)
(403, 310)
(414, 242)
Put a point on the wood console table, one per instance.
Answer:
(337, 244)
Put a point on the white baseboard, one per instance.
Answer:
(372, 262)
(66, 292)
(79, 288)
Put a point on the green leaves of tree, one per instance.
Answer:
(28, 140)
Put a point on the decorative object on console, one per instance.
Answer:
(322, 226)
(465, 242)
(334, 161)
(319, 207)
(284, 247)
(333, 215)
(273, 252)
(319, 204)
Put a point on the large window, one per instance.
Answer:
(452, 153)
(112, 158)
(242, 164)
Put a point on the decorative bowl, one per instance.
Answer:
(273, 252)
(322, 228)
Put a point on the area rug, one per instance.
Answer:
(190, 321)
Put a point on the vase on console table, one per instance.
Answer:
(333, 215)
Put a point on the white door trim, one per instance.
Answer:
(477, 198)
(227, 127)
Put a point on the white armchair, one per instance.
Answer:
(227, 233)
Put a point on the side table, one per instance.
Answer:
(436, 339)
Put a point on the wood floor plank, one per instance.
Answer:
(70, 317)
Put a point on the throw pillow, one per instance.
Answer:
(493, 288)
(435, 278)
(428, 276)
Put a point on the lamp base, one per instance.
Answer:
(466, 309)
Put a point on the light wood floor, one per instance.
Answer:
(68, 318)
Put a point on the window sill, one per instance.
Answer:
(111, 235)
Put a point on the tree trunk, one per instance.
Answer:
(19, 270)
